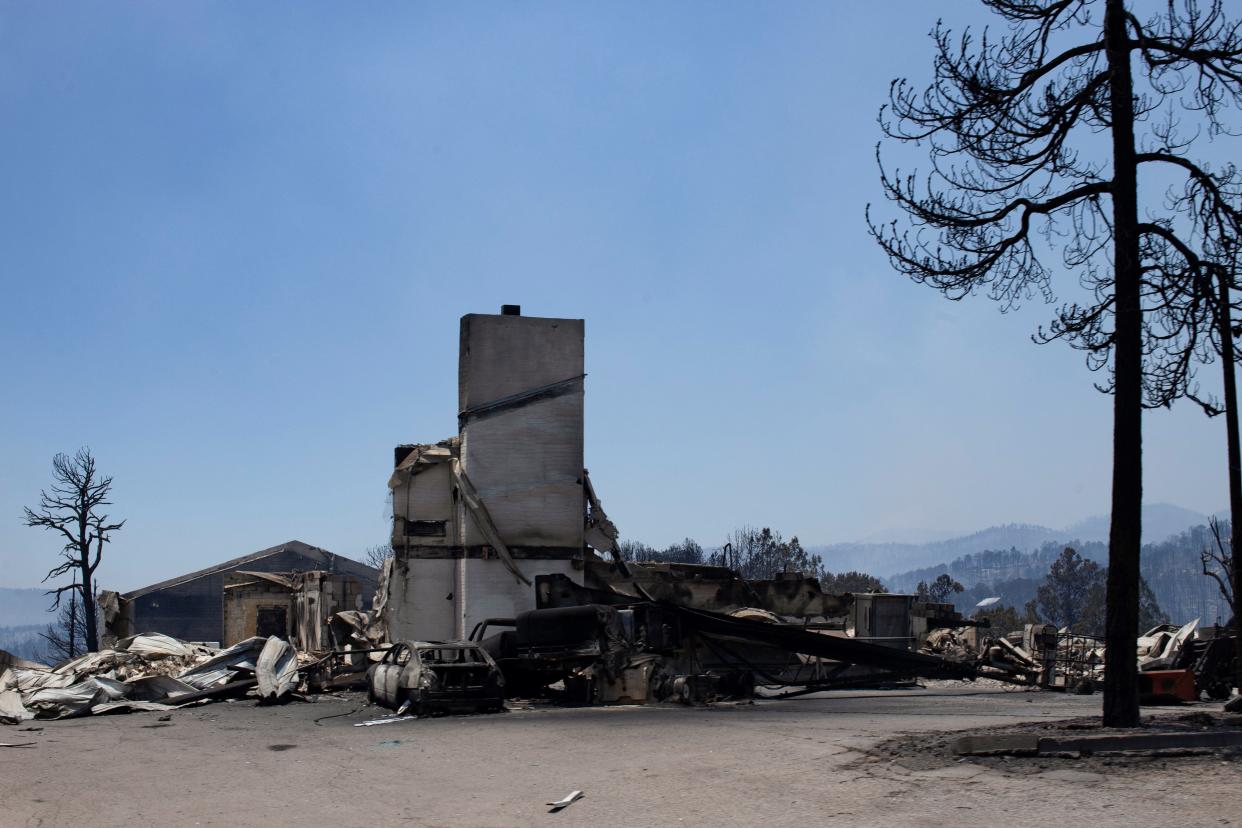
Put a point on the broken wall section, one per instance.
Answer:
(297, 607)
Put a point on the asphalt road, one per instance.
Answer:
(772, 763)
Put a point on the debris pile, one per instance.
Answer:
(145, 672)
(596, 646)
(1195, 661)
(1163, 647)
(949, 643)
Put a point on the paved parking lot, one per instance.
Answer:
(772, 763)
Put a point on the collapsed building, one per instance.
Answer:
(500, 537)
(1176, 663)
(193, 607)
(503, 550)
(499, 527)
(296, 606)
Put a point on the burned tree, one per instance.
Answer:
(66, 638)
(1034, 151)
(72, 508)
(852, 582)
(376, 556)
(1218, 564)
(940, 590)
(1070, 590)
(760, 554)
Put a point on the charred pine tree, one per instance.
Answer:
(1218, 563)
(1227, 352)
(66, 638)
(1223, 265)
(1038, 140)
(72, 508)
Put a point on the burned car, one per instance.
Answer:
(437, 676)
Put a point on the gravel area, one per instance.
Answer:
(819, 760)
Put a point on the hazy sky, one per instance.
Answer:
(236, 240)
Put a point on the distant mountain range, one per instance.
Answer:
(1161, 521)
(885, 559)
(1009, 562)
(1171, 568)
(26, 642)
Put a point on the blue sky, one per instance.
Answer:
(236, 239)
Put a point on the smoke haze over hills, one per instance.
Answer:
(1160, 522)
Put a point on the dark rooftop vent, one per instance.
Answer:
(510, 310)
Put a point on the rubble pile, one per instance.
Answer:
(1078, 661)
(1162, 647)
(949, 643)
(144, 672)
(607, 647)
(1197, 661)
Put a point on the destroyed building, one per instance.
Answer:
(295, 606)
(507, 581)
(499, 527)
(191, 607)
(478, 516)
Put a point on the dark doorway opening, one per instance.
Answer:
(271, 621)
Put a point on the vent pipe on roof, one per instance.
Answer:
(510, 310)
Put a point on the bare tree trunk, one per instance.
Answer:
(84, 566)
(1125, 532)
(88, 610)
(73, 624)
(1235, 460)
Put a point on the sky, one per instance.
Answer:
(236, 241)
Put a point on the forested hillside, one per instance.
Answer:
(26, 642)
(1174, 572)
(1171, 568)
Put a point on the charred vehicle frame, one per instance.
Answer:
(437, 676)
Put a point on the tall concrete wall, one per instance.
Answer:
(520, 407)
(526, 460)
(243, 598)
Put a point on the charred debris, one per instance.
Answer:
(507, 582)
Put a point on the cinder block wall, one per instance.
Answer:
(526, 461)
(241, 602)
